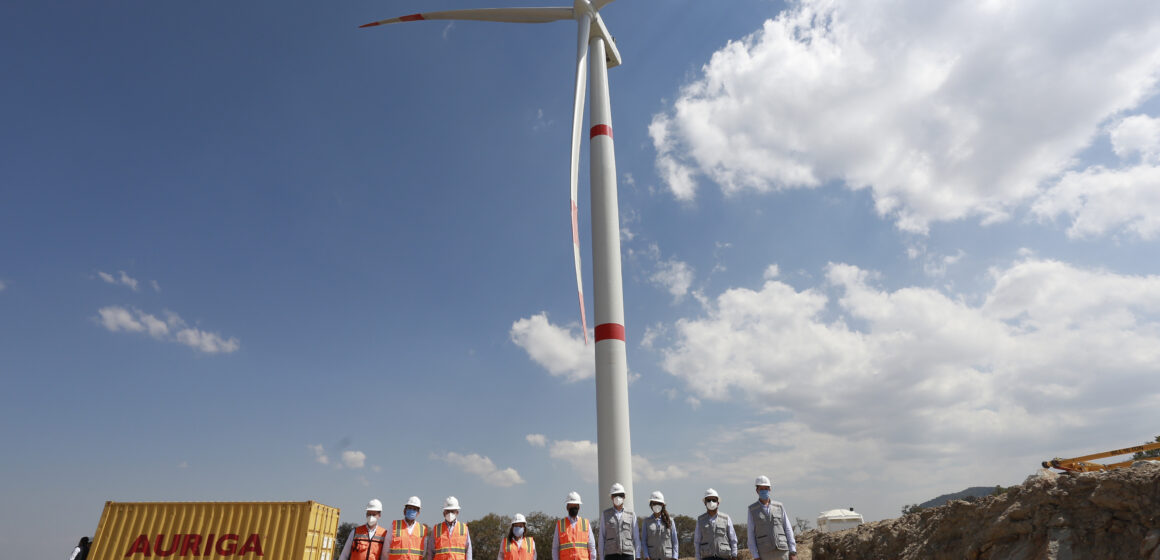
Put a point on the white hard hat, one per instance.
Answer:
(657, 497)
(617, 488)
(573, 498)
(451, 503)
(762, 481)
(711, 493)
(518, 518)
(374, 505)
(414, 501)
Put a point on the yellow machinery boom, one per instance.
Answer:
(1083, 464)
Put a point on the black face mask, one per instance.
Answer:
(574, 511)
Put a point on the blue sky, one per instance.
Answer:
(878, 251)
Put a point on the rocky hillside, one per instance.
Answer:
(1113, 515)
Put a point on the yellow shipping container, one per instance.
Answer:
(204, 530)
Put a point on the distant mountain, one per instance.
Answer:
(972, 492)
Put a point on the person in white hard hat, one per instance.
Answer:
(517, 545)
(573, 539)
(618, 535)
(366, 542)
(408, 536)
(770, 532)
(658, 534)
(450, 540)
(714, 537)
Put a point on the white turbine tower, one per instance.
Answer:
(614, 447)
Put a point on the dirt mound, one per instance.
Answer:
(1112, 515)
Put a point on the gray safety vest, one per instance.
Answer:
(658, 538)
(768, 530)
(714, 536)
(618, 534)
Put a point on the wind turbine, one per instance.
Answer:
(613, 442)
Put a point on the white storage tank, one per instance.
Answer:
(838, 520)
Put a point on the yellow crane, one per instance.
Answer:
(1083, 464)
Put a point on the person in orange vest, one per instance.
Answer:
(573, 539)
(517, 546)
(450, 540)
(367, 542)
(408, 536)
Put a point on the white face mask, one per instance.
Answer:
(372, 520)
(449, 516)
(617, 501)
(712, 505)
(657, 509)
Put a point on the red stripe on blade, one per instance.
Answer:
(369, 25)
(600, 129)
(412, 17)
(610, 331)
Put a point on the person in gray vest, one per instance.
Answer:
(618, 535)
(658, 535)
(770, 533)
(714, 537)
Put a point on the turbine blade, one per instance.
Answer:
(577, 124)
(598, 4)
(507, 15)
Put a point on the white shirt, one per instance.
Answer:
(556, 539)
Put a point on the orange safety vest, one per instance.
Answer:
(407, 546)
(513, 552)
(366, 546)
(573, 539)
(450, 545)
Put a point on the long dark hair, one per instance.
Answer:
(664, 515)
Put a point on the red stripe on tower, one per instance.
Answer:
(600, 129)
(610, 331)
(413, 17)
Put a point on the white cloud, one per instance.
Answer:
(580, 455)
(116, 318)
(675, 276)
(319, 454)
(536, 440)
(183, 465)
(122, 278)
(482, 467)
(210, 343)
(966, 115)
(1051, 349)
(1137, 135)
(354, 459)
(156, 286)
(643, 469)
(555, 348)
(2, 286)
(1099, 200)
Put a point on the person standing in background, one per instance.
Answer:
(367, 542)
(618, 535)
(659, 532)
(714, 537)
(770, 533)
(408, 536)
(573, 539)
(450, 540)
(516, 545)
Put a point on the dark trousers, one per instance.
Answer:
(618, 557)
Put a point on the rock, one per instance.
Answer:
(1093, 516)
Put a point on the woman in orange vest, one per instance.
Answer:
(517, 546)
(367, 542)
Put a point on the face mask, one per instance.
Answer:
(617, 501)
(411, 514)
(657, 509)
(712, 505)
(574, 510)
(449, 516)
(764, 494)
(372, 520)
(518, 531)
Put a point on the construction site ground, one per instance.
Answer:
(1110, 515)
